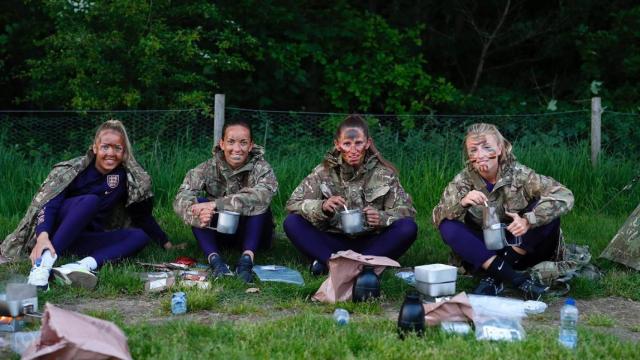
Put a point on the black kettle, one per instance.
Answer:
(366, 286)
(411, 317)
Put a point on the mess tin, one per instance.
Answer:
(352, 221)
(227, 222)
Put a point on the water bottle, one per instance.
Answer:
(179, 303)
(366, 286)
(341, 316)
(411, 316)
(568, 336)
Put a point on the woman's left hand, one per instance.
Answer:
(372, 216)
(519, 226)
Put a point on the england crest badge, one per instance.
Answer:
(113, 181)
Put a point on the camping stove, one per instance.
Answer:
(18, 304)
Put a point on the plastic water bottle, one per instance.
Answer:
(179, 303)
(568, 336)
(341, 316)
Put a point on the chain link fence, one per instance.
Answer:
(45, 134)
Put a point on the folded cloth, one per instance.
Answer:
(344, 268)
(70, 335)
(458, 308)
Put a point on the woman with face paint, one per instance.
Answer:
(531, 203)
(237, 178)
(85, 208)
(353, 175)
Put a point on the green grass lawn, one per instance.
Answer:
(281, 321)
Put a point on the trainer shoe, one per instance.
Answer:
(75, 274)
(532, 289)
(39, 277)
(489, 286)
(218, 267)
(318, 268)
(243, 269)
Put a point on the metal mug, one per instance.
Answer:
(352, 221)
(495, 237)
(227, 222)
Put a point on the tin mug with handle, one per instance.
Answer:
(352, 221)
(227, 222)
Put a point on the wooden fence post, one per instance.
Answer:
(596, 125)
(218, 117)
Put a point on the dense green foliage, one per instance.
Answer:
(366, 56)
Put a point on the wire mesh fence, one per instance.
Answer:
(43, 134)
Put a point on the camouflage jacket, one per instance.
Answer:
(516, 188)
(247, 190)
(372, 184)
(22, 240)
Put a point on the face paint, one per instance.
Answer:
(483, 152)
(353, 145)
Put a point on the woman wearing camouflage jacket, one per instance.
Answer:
(531, 202)
(237, 178)
(354, 174)
(98, 206)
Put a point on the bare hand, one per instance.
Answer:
(42, 243)
(519, 226)
(372, 216)
(333, 203)
(204, 212)
(474, 197)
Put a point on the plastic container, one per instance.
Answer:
(366, 286)
(436, 273)
(411, 316)
(341, 316)
(568, 335)
(179, 303)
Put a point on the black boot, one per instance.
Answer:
(318, 268)
(244, 269)
(530, 287)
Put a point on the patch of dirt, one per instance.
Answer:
(624, 313)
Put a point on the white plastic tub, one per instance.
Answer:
(434, 290)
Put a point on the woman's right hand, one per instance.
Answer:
(42, 243)
(474, 197)
(333, 203)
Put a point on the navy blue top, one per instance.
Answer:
(110, 188)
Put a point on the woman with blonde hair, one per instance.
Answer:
(97, 206)
(531, 203)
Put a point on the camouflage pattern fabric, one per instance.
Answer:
(247, 190)
(21, 241)
(517, 186)
(371, 184)
(624, 248)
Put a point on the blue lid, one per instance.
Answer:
(570, 301)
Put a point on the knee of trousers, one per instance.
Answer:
(406, 229)
(450, 230)
(139, 237)
(291, 222)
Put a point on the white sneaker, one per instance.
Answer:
(39, 276)
(75, 274)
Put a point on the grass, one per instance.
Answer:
(281, 321)
(601, 320)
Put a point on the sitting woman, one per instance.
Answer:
(530, 202)
(97, 205)
(353, 175)
(236, 178)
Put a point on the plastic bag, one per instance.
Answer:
(21, 340)
(498, 318)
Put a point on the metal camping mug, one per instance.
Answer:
(352, 221)
(494, 237)
(227, 222)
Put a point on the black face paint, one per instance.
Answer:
(351, 133)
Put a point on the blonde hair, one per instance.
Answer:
(117, 126)
(484, 129)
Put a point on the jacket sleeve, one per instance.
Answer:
(449, 206)
(252, 200)
(554, 199)
(192, 185)
(397, 203)
(307, 199)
